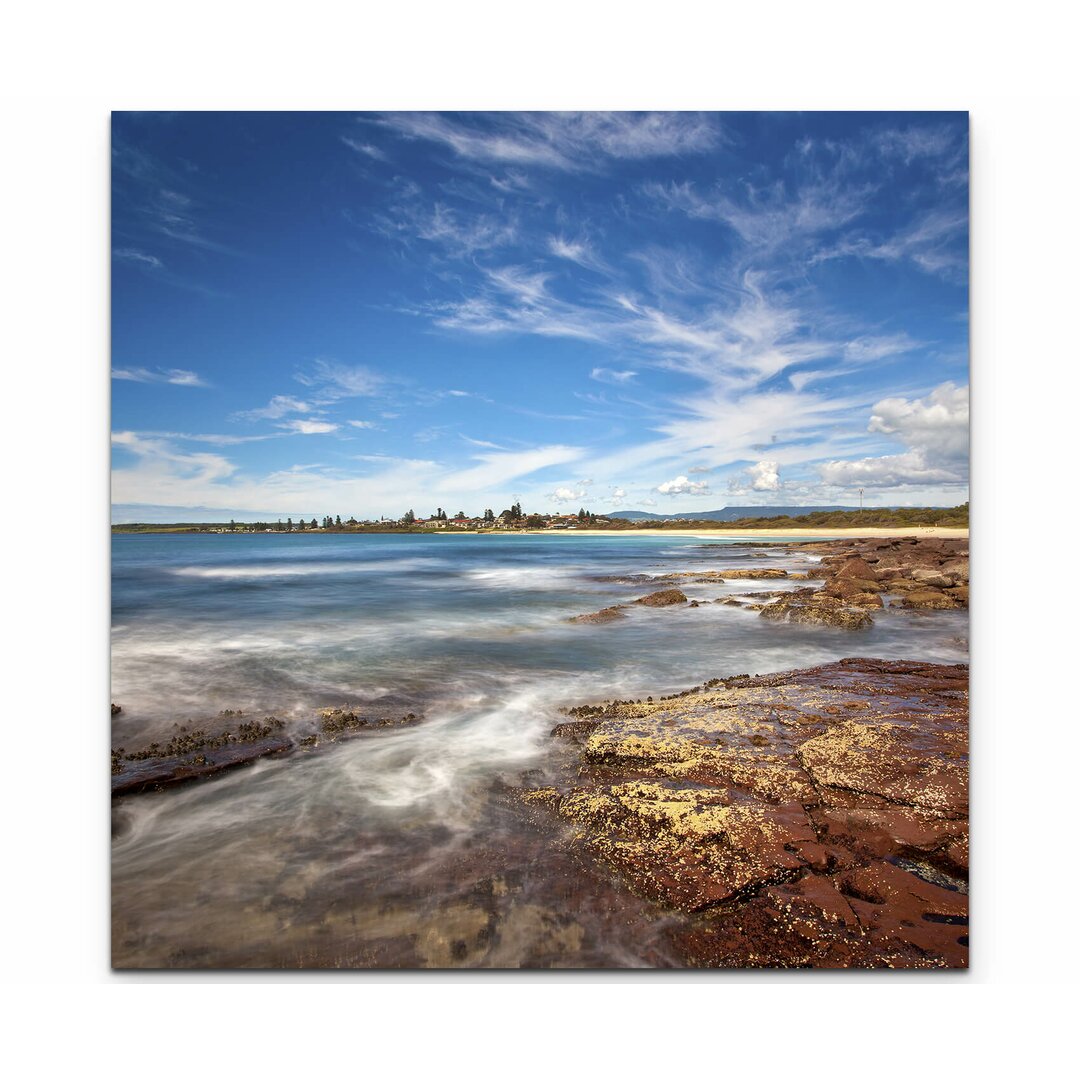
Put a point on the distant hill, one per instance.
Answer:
(731, 513)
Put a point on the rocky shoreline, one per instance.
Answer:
(858, 576)
(812, 818)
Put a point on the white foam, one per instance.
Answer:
(521, 577)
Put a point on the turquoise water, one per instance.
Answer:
(469, 632)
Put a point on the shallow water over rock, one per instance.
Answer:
(405, 846)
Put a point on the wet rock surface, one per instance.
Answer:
(196, 754)
(857, 578)
(811, 818)
(663, 598)
(862, 575)
(605, 615)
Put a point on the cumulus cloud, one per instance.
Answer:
(935, 431)
(936, 425)
(893, 470)
(765, 476)
(682, 485)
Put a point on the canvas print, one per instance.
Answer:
(540, 540)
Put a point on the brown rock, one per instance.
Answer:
(929, 599)
(934, 578)
(817, 816)
(604, 615)
(856, 568)
(818, 610)
(663, 598)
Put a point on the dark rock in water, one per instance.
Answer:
(818, 609)
(813, 818)
(157, 773)
(575, 730)
(604, 615)
(116, 709)
(752, 573)
(663, 598)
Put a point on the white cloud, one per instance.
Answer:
(681, 485)
(936, 425)
(573, 142)
(179, 377)
(172, 376)
(933, 243)
(309, 427)
(764, 476)
(499, 468)
(909, 144)
(568, 494)
(366, 148)
(933, 428)
(152, 262)
(369, 424)
(768, 216)
(576, 251)
(895, 470)
(333, 381)
(459, 235)
(165, 474)
(611, 375)
(280, 405)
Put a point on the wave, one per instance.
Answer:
(522, 577)
(302, 569)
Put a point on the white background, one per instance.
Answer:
(66, 66)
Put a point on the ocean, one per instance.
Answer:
(397, 848)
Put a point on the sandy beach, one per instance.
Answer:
(941, 532)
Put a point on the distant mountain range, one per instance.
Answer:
(730, 513)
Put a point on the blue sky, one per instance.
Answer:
(360, 314)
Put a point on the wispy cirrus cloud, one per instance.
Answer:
(935, 242)
(140, 258)
(332, 381)
(366, 148)
(769, 216)
(172, 376)
(280, 405)
(570, 142)
(613, 376)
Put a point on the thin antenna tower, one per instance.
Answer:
(860, 498)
